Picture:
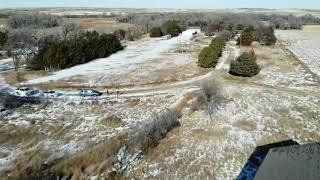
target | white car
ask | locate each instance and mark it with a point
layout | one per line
(22, 92)
(35, 93)
(90, 93)
(52, 94)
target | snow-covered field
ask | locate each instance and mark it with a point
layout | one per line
(304, 44)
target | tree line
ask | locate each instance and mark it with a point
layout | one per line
(211, 22)
(55, 53)
(209, 56)
(34, 20)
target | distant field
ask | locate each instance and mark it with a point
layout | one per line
(305, 44)
(102, 25)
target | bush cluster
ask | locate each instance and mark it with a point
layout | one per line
(247, 37)
(263, 34)
(54, 53)
(3, 38)
(245, 65)
(169, 27)
(267, 36)
(172, 28)
(209, 56)
(156, 32)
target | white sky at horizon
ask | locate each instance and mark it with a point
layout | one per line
(182, 4)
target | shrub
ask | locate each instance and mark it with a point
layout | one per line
(210, 29)
(239, 27)
(246, 38)
(121, 34)
(218, 43)
(225, 34)
(172, 28)
(268, 37)
(209, 56)
(148, 134)
(245, 65)
(3, 38)
(134, 32)
(156, 32)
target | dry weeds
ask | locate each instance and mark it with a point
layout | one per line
(93, 161)
(14, 78)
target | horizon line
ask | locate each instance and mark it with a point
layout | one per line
(96, 7)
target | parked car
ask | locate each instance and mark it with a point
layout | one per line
(52, 94)
(35, 93)
(22, 91)
(89, 93)
(166, 37)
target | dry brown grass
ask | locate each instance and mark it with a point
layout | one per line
(28, 164)
(14, 78)
(92, 161)
(132, 102)
(184, 102)
(263, 56)
(210, 134)
(112, 122)
(102, 25)
(245, 125)
(26, 136)
(311, 28)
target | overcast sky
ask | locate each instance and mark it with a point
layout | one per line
(193, 4)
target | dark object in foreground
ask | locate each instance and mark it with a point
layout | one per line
(9, 101)
(292, 162)
(285, 160)
(251, 167)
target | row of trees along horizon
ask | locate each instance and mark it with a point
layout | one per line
(45, 41)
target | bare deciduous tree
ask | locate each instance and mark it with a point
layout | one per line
(70, 31)
(21, 45)
(134, 32)
(211, 97)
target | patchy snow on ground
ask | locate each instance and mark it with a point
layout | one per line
(64, 127)
(230, 53)
(280, 69)
(280, 103)
(305, 44)
(6, 65)
(247, 118)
